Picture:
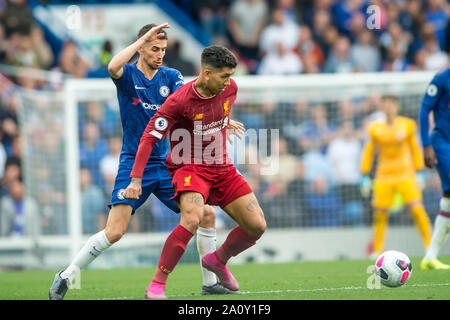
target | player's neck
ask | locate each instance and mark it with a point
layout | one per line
(202, 89)
(390, 120)
(148, 72)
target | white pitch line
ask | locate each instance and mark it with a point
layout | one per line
(286, 291)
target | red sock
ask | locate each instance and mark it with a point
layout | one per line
(172, 251)
(237, 241)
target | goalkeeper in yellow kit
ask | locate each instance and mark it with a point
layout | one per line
(400, 159)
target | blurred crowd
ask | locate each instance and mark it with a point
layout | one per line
(318, 150)
(317, 184)
(311, 36)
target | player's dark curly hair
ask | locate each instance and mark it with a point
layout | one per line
(147, 28)
(218, 57)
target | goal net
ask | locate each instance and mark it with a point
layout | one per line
(300, 154)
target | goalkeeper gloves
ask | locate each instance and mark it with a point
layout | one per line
(365, 186)
(420, 177)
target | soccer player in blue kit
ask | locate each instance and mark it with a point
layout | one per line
(142, 88)
(436, 149)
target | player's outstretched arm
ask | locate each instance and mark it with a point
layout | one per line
(115, 66)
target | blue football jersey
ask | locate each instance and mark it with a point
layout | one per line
(436, 99)
(139, 99)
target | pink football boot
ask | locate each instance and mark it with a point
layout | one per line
(155, 291)
(211, 263)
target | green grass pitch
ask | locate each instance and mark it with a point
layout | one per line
(330, 280)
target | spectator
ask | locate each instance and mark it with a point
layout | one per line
(9, 121)
(396, 60)
(321, 22)
(287, 163)
(92, 149)
(296, 192)
(3, 157)
(277, 45)
(174, 59)
(343, 155)
(71, 62)
(343, 13)
(317, 14)
(310, 52)
(12, 172)
(19, 214)
(109, 164)
(365, 54)
(212, 16)
(43, 55)
(435, 58)
(106, 53)
(411, 17)
(17, 17)
(323, 204)
(101, 114)
(317, 131)
(437, 15)
(245, 29)
(340, 60)
(394, 34)
(293, 125)
(93, 204)
(289, 9)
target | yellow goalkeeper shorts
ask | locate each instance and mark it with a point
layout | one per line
(384, 192)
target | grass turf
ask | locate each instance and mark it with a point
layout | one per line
(329, 280)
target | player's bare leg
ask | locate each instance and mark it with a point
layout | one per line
(422, 221)
(440, 233)
(251, 225)
(116, 225)
(192, 207)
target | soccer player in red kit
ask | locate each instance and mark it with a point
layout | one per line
(196, 116)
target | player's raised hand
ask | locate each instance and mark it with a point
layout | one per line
(429, 156)
(237, 128)
(154, 33)
(134, 189)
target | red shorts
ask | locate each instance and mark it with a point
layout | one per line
(219, 186)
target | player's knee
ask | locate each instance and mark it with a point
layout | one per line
(114, 234)
(258, 226)
(209, 217)
(191, 217)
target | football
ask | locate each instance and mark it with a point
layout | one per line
(393, 268)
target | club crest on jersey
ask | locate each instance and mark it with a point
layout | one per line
(120, 194)
(432, 90)
(164, 91)
(187, 181)
(226, 111)
(161, 123)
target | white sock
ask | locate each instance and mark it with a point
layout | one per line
(91, 250)
(441, 228)
(206, 243)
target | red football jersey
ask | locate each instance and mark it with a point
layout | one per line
(197, 128)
